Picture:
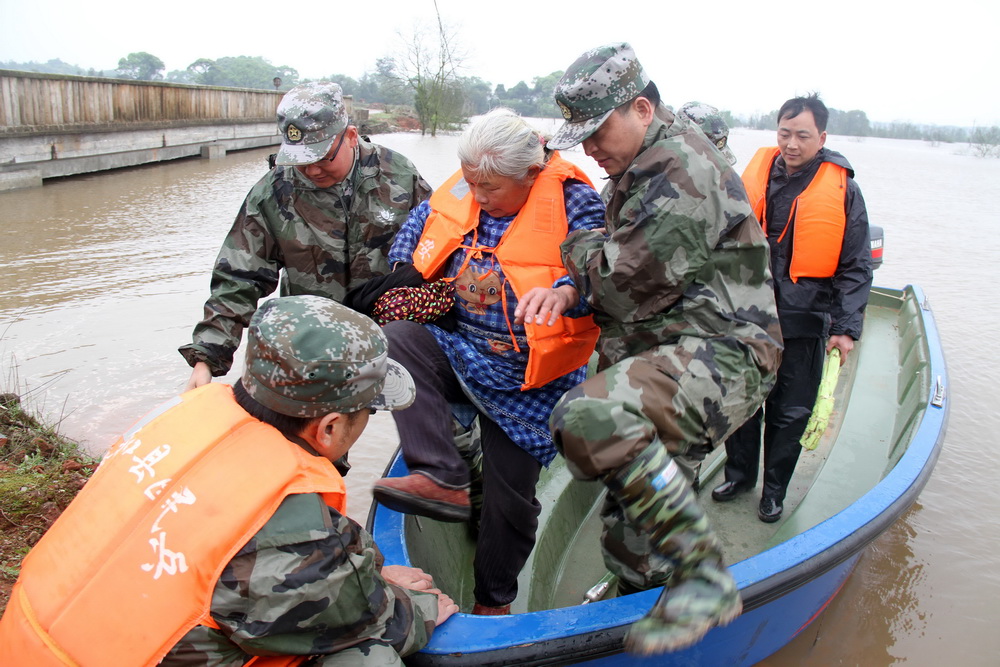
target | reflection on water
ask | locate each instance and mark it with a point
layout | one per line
(78, 238)
(879, 597)
(103, 276)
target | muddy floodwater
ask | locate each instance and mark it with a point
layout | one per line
(103, 276)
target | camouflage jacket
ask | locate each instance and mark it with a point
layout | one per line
(307, 583)
(327, 240)
(685, 256)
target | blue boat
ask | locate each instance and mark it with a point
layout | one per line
(884, 437)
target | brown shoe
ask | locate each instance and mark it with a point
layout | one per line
(483, 610)
(419, 494)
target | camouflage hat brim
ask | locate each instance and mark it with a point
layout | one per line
(308, 356)
(571, 134)
(290, 155)
(728, 154)
(398, 392)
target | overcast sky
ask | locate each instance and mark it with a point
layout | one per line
(897, 61)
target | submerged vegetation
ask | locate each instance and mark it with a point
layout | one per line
(40, 473)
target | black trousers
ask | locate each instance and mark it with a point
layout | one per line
(784, 418)
(510, 510)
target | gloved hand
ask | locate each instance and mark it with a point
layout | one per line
(363, 297)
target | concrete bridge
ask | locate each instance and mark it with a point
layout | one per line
(55, 125)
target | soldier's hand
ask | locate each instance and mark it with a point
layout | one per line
(446, 607)
(412, 578)
(201, 374)
(539, 302)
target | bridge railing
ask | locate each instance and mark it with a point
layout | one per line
(32, 103)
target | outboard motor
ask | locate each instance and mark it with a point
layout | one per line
(877, 238)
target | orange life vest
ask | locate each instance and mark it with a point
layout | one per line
(529, 256)
(130, 566)
(819, 214)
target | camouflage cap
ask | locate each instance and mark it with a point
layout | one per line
(310, 117)
(711, 123)
(308, 356)
(597, 83)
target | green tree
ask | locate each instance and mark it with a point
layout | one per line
(899, 130)
(729, 119)
(348, 84)
(476, 94)
(850, 123)
(204, 71)
(429, 67)
(179, 76)
(384, 85)
(140, 66)
(857, 123)
(544, 90)
(53, 66)
(520, 98)
(520, 92)
(242, 72)
(253, 72)
(391, 86)
(767, 121)
(289, 77)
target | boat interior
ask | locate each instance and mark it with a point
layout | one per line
(880, 397)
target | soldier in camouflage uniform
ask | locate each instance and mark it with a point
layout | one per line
(681, 289)
(712, 124)
(353, 610)
(326, 214)
(310, 581)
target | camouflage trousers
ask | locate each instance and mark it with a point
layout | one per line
(686, 398)
(366, 654)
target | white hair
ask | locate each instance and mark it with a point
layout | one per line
(501, 144)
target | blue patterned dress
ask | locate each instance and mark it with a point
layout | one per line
(481, 350)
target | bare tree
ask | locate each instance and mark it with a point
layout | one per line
(429, 66)
(985, 141)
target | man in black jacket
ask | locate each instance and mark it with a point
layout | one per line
(817, 228)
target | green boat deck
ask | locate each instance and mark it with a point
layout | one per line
(878, 402)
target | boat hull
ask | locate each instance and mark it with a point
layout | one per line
(784, 585)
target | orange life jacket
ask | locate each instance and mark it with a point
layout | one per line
(528, 253)
(819, 214)
(130, 566)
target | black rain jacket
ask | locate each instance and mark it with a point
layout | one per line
(819, 307)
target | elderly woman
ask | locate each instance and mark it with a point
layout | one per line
(493, 230)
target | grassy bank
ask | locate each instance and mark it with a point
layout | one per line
(40, 473)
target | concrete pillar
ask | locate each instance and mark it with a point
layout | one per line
(212, 151)
(24, 178)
